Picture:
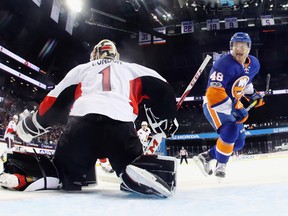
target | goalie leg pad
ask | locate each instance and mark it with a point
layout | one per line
(31, 166)
(163, 166)
(143, 182)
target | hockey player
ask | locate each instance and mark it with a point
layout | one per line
(10, 132)
(144, 134)
(230, 79)
(183, 155)
(9, 136)
(102, 98)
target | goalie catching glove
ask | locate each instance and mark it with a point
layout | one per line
(162, 129)
(167, 127)
(28, 127)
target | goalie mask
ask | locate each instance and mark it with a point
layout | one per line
(105, 49)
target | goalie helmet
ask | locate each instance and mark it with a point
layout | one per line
(240, 37)
(105, 49)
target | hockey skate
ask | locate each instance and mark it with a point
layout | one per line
(105, 165)
(203, 161)
(107, 169)
(220, 170)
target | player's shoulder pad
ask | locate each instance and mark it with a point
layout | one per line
(144, 71)
(224, 64)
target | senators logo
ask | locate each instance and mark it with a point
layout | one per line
(239, 86)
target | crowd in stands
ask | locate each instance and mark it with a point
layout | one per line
(11, 105)
(190, 117)
(192, 120)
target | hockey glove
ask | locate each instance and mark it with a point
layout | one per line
(256, 96)
(28, 127)
(166, 126)
(172, 128)
(239, 112)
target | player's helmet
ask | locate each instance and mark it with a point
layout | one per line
(240, 37)
(105, 49)
(15, 118)
(144, 123)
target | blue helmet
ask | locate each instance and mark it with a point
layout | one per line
(241, 37)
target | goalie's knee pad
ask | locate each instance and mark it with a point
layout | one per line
(38, 170)
(163, 166)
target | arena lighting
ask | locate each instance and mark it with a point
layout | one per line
(22, 76)
(21, 60)
(108, 15)
(74, 5)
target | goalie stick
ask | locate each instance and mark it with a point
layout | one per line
(157, 138)
(265, 93)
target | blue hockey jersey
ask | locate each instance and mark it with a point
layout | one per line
(229, 81)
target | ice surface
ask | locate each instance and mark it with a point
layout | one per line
(254, 185)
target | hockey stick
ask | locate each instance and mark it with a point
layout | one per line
(265, 93)
(157, 138)
(193, 81)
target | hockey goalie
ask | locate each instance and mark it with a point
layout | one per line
(99, 102)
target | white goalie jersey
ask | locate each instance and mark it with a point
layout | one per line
(109, 87)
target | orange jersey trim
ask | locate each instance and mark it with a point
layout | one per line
(215, 95)
(214, 117)
(224, 148)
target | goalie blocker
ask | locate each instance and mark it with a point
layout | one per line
(28, 172)
(29, 128)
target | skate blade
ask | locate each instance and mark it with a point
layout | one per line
(200, 166)
(219, 179)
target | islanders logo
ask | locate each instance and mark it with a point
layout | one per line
(239, 86)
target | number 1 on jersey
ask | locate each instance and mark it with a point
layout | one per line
(106, 79)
